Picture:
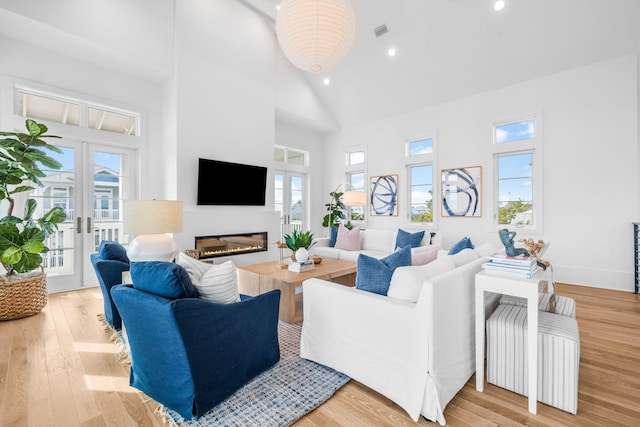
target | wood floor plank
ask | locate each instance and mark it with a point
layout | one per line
(60, 368)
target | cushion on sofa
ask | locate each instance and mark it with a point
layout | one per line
(404, 238)
(333, 235)
(406, 282)
(162, 278)
(463, 257)
(461, 244)
(378, 240)
(113, 251)
(374, 275)
(214, 282)
(348, 239)
(425, 256)
(486, 249)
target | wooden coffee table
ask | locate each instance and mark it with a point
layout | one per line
(255, 279)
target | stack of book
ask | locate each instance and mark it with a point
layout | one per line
(299, 267)
(521, 266)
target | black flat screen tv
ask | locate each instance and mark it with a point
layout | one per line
(233, 184)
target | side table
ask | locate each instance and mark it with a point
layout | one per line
(525, 288)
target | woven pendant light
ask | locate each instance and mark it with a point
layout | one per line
(315, 34)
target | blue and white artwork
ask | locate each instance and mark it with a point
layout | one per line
(461, 192)
(384, 195)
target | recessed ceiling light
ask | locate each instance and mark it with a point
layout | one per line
(498, 5)
(326, 81)
(392, 51)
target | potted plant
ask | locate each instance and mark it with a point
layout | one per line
(335, 210)
(22, 239)
(299, 242)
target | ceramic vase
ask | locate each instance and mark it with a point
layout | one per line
(302, 255)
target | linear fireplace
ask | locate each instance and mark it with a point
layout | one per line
(231, 244)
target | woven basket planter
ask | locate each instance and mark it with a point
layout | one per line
(22, 295)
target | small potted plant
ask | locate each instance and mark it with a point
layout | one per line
(23, 289)
(299, 242)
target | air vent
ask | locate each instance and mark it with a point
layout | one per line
(381, 30)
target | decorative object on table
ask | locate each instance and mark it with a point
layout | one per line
(24, 290)
(283, 258)
(506, 237)
(525, 267)
(315, 34)
(534, 248)
(384, 195)
(300, 266)
(316, 259)
(277, 397)
(461, 192)
(297, 240)
(150, 220)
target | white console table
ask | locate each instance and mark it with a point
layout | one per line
(526, 288)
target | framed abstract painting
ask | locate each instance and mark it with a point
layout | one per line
(462, 192)
(384, 195)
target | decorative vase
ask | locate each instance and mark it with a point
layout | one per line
(302, 255)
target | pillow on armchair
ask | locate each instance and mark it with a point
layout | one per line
(113, 251)
(374, 275)
(214, 282)
(162, 278)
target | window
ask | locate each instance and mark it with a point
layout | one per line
(356, 157)
(55, 108)
(517, 166)
(421, 193)
(356, 183)
(290, 156)
(419, 147)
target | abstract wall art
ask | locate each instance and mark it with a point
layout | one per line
(462, 192)
(384, 195)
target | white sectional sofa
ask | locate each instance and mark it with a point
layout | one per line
(375, 243)
(418, 354)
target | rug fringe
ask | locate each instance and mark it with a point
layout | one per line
(122, 355)
(165, 418)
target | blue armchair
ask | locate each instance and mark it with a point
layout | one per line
(109, 263)
(190, 354)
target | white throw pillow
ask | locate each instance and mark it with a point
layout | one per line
(406, 282)
(463, 257)
(214, 282)
(379, 240)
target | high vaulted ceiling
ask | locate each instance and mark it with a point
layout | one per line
(446, 49)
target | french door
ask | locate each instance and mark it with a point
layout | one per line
(290, 200)
(91, 186)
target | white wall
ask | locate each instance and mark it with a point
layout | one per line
(590, 185)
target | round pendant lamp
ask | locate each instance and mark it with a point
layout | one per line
(315, 35)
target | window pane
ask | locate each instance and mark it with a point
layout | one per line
(296, 200)
(112, 122)
(421, 189)
(356, 157)
(295, 157)
(356, 183)
(423, 146)
(516, 131)
(278, 154)
(45, 108)
(515, 189)
(279, 192)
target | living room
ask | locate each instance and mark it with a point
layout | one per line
(212, 83)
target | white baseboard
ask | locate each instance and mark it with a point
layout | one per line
(596, 278)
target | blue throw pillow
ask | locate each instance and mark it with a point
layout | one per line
(374, 275)
(333, 236)
(461, 244)
(162, 278)
(404, 238)
(113, 251)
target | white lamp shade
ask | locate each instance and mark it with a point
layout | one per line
(315, 34)
(152, 216)
(354, 198)
(150, 220)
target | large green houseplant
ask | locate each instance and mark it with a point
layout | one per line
(335, 210)
(21, 156)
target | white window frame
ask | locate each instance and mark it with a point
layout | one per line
(423, 160)
(534, 146)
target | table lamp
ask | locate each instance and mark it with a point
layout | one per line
(150, 220)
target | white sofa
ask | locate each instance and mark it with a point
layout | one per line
(418, 354)
(375, 243)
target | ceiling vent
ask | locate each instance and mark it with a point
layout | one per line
(381, 30)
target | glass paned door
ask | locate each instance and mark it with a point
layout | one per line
(290, 201)
(90, 187)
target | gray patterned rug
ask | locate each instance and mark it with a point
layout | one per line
(277, 397)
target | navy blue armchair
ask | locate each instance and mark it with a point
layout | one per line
(190, 354)
(109, 263)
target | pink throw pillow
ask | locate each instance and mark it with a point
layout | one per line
(424, 257)
(348, 240)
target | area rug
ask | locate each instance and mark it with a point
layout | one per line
(278, 397)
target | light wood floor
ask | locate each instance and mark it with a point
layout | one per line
(59, 368)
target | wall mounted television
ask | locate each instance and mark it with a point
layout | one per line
(233, 184)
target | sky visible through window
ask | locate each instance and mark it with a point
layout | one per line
(423, 146)
(108, 160)
(515, 131)
(515, 175)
